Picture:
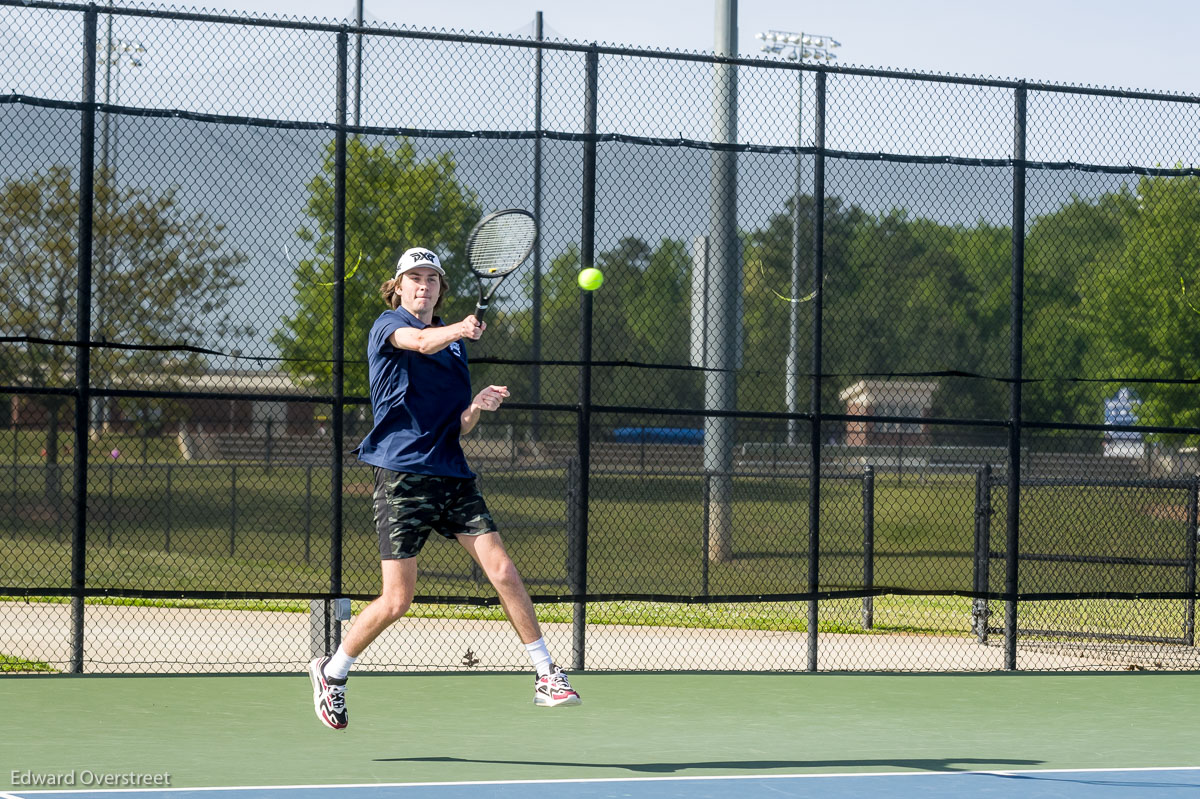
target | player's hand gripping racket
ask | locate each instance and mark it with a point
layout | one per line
(499, 243)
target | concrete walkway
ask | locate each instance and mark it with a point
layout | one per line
(123, 639)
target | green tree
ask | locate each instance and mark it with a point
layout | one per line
(1144, 305)
(394, 200)
(560, 326)
(1066, 252)
(901, 294)
(661, 328)
(640, 315)
(982, 307)
(767, 258)
(907, 302)
(160, 276)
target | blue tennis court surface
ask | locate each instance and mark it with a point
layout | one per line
(1067, 784)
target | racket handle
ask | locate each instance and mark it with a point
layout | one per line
(480, 310)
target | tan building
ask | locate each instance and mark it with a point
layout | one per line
(888, 398)
(212, 414)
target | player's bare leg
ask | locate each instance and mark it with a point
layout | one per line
(399, 584)
(551, 686)
(329, 684)
(488, 551)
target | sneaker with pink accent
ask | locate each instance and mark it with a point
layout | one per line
(329, 696)
(553, 690)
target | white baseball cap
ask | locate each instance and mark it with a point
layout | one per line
(419, 256)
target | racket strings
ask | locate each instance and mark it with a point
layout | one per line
(502, 244)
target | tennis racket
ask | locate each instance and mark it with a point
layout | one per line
(498, 244)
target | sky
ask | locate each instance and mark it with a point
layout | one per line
(1146, 45)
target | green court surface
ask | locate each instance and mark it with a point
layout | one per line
(260, 730)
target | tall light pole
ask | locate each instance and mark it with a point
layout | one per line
(358, 21)
(723, 286)
(797, 47)
(113, 53)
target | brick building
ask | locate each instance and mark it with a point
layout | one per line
(888, 398)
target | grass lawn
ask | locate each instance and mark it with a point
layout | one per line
(12, 664)
(172, 526)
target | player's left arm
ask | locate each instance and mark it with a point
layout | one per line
(489, 399)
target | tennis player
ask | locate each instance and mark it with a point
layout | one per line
(421, 399)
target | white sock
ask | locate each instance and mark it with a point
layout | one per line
(339, 665)
(540, 656)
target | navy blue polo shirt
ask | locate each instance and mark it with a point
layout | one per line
(418, 401)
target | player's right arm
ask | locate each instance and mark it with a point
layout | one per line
(429, 340)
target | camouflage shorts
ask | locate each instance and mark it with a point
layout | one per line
(409, 507)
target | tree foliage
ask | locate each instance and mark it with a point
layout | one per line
(1141, 313)
(394, 200)
(1103, 299)
(160, 276)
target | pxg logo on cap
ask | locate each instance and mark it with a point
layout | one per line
(416, 257)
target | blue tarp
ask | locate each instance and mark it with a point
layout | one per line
(659, 435)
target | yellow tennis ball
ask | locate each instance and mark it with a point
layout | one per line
(590, 279)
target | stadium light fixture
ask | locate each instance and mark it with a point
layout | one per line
(799, 45)
(114, 54)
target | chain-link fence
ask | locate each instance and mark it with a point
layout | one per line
(888, 371)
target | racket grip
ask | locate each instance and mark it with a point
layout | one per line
(480, 310)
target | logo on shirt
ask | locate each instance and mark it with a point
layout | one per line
(456, 349)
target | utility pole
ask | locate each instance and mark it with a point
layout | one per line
(724, 287)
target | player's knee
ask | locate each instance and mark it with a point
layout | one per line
(395, 610)
(503, 573)
(394, 606)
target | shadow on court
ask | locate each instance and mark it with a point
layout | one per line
(1128, 783)
(916, 764)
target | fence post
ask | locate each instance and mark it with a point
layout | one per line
(706, 534)
(583, 431)
(170, 513)
(535, 373)
(868, 489)
(307, 513)
(108, 509)
(1016, 350)
(983, 545)
(339, 320)
(814, 483)
(576, 559)
(1189, 630)
(83, 333)
(270, 442)
(232, 509)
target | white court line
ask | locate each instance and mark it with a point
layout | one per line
(572, 781)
